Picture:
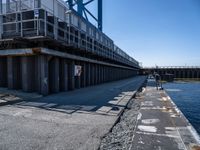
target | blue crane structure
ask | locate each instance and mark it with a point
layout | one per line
(84, 12)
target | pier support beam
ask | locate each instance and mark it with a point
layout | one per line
(96, 74)
(78, 80)
(14, 72)
(88, 74)
(83, 75)
(63, 75)
(71, 75)
(3, 72)
(43, 74)
(54, 75)
(28, 72)
(92, 74)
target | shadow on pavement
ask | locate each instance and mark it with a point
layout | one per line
(91, 99)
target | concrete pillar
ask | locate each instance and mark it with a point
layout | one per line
(107, 74)
(101, 74)
(71, 81)
(103, 69)
(110, 74)
(28, 73)
(63, 75)
(43, 74)
(92, 74)
(3, 72)
(14, 72)
(88, 74)
(95, 74)
(54, 81)
(83, 75)
(78, 80)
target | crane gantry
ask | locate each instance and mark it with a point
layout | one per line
(83, 11)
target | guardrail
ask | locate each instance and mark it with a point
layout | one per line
(68, 28)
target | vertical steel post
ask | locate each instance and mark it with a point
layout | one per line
(70, 2)
(7, 6)
(100, 15)
(80, 7)
(1, 7)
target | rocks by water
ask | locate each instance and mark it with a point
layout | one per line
(122, 133)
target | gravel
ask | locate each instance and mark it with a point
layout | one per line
(121, 134)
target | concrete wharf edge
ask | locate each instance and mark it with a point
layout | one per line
(161, 124)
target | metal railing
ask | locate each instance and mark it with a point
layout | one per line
(39, 22)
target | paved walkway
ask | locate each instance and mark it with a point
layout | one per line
(161, 126)
(66, 121)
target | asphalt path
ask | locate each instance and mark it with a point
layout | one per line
(69, 121)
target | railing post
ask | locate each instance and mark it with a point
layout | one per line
(21, 24)
(45, 22)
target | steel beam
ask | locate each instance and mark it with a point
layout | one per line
(100, 15)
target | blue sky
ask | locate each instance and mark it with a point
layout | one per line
(155, 32)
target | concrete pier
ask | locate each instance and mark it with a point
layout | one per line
(161, 125)
(151, 122)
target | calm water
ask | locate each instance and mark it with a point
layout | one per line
(186, 95)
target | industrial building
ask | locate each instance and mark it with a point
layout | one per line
(47, 47)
